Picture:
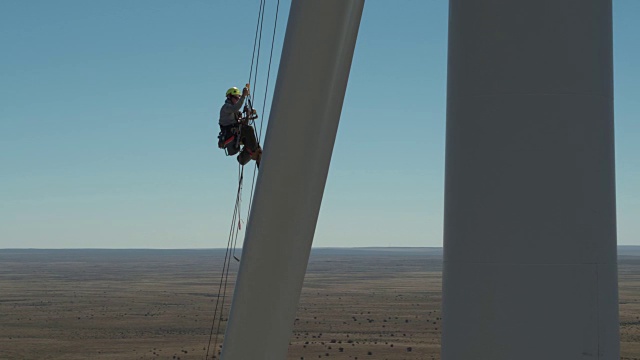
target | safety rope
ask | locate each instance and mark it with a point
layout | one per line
(264, 103)
(235, 229)
(266, 87)
(225, 270)
(257, 39)
(233, 233)
(260, 12)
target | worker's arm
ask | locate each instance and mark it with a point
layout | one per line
(232, 109)
(235, 108)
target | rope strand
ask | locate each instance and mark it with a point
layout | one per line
(260, 11)
(235, 228)
(226, 265)
(264, 102)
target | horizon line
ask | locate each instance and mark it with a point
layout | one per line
(239, 248)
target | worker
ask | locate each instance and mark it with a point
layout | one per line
(235, 129)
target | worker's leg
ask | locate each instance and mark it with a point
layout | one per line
(249, 138)
(244, 157)
(251, 150)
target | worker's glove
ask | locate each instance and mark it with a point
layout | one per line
(245, 92)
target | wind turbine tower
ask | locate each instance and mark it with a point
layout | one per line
(530, 268)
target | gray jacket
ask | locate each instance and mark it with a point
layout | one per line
(228, 112)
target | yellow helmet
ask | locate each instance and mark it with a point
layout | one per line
(233, 91)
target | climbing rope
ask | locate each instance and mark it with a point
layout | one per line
(266, 87)
(264, 102)
(224, 277)
(255, 39)
(236, 219)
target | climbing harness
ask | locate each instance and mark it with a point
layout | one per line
(229, 139)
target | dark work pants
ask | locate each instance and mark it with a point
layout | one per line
(248, 138)
(251, 149)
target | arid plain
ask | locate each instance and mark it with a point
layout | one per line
(158, 304)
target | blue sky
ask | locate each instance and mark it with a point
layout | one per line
(108, 123)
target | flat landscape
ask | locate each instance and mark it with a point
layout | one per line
(159, 304)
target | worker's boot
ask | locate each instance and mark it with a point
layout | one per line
(244, 157)
(257, 155)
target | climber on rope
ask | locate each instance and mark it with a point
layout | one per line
(235, 129)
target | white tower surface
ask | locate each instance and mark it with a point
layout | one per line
(312, 80)
(530, 229)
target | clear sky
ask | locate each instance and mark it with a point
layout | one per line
(108, 123)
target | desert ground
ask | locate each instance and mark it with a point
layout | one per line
(159, 304)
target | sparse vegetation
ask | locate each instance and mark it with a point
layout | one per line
(158, 305)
